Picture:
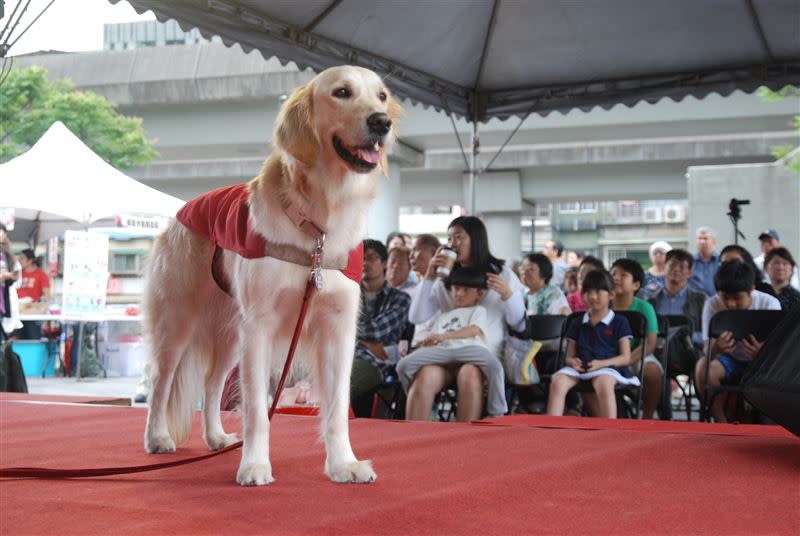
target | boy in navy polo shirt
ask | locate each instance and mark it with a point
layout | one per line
(598, 350)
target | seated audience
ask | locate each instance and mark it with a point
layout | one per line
(398, 239)
(575, 257)
(706, 262)
(655, 275)
(598, 350)
(542, 297)
(733, 252)
(770, 240)
(571, 281)
(729, 357)
(677, 297)
(628, 276)
(383, 317)
(504, 307)
(33, 288)
(398, 268)
(459, 337)
(425, 246)
(779, 265)
(575, 300)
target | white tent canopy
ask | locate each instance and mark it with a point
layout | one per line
(61, 176)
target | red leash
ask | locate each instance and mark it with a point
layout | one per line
(314, 281)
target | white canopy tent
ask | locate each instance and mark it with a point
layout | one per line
(60, 180)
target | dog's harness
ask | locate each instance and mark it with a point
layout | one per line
(228, 226)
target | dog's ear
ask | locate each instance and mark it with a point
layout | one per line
(294, 132)
(395, 112)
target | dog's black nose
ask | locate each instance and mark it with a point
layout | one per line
(379, 123)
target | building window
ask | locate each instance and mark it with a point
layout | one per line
(569, 207)
(629, 209)
(125, 263)
(543, 210)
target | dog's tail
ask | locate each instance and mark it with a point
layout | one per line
(184, 394)
(172, 298)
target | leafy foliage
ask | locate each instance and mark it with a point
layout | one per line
(30, 104)
(780, 151)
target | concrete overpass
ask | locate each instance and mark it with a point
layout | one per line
(212, 109)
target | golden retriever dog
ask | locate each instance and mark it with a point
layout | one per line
(330, 143)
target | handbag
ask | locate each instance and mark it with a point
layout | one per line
(519, 360)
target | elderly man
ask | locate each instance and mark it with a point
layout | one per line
(398, 268)
(424, 249)
(554, 250)
(706, 262)
(677, 297)
(770, 240)
(425, 246)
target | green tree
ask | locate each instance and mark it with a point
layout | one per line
(780, 151)
(30, 104)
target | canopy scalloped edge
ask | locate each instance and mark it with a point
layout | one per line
(427, 90)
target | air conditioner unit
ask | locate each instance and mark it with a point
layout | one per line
(652, 214)
(674, 213)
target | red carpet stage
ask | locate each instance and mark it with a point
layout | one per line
(519, 474)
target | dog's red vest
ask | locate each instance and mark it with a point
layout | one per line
(223, 217)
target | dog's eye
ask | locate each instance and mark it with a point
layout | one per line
(342, 93)
(382, 96)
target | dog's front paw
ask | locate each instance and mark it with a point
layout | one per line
(254, 475)
(220, 441)
(159, 444)
(358, 472)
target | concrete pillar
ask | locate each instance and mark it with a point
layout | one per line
(384, 214)
(499, 204)
(504, 229)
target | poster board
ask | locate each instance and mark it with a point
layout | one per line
(85, 272)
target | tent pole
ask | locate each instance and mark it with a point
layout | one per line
(473, 174)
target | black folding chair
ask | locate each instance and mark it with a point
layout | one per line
(665, 407)
(679, 332)
(741, 324)
(537, 328)
(629, 397)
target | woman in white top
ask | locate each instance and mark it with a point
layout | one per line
(504, 305)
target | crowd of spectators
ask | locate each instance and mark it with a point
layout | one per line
(463, 330)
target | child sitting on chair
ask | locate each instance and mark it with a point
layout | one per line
(735, 286)
(598, 349)
(459, 337)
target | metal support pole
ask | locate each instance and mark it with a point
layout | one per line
(473, 168)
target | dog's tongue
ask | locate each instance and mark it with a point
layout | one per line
(368, 155)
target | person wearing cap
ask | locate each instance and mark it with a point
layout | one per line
(655, 276)
(770, 239)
